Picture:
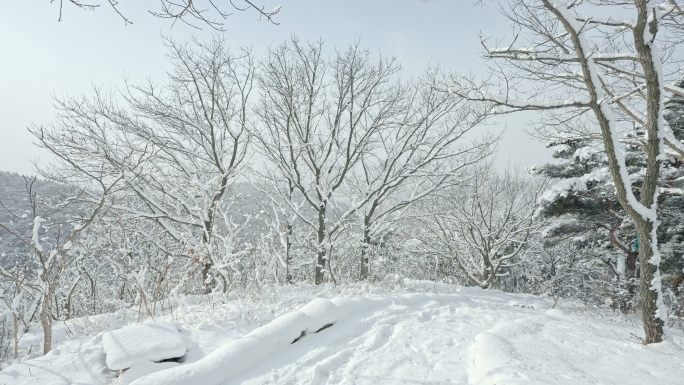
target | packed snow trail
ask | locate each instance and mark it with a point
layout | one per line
(393, 345)
(476, 338)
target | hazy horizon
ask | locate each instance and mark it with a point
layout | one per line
(89, 49)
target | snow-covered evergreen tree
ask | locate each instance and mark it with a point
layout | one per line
(582, 207)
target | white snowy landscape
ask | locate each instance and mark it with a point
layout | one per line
(395, 332)
(214, 192)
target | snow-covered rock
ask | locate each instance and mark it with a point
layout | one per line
(155, 341)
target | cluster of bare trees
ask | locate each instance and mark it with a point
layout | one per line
(347, 157)
(329, 139)
(239, 171)
(41, 278)
(348, 138)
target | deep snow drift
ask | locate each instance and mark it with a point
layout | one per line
(380, 334)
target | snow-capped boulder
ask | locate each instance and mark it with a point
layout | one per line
(156, 341)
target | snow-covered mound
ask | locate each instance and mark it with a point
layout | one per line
(143, 368)
(381, 335)
(244, 354)
(155, 341)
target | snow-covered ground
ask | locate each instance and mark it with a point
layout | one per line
(381, 334)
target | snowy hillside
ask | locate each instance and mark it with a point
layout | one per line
(391, 333)
(15, 206)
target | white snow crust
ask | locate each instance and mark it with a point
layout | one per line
(394, 332)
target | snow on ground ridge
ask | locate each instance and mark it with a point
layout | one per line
(221, 365)
(385, 336)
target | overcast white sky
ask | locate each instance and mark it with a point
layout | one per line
(40, 57)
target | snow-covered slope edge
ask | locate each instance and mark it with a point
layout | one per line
(468, 336)
(242, 355)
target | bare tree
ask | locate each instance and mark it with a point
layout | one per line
(91, 6)
(423, 151)
(178, 147)
(610, 70)
(211, 12)
(319, 117)
(195, 13)
(281, 215)
(484, 225)
(198, 125)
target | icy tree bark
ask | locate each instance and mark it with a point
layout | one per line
(46, 323)
(649, 258)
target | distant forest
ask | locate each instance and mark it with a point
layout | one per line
(16, 210)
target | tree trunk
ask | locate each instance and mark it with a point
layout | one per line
(122, 291)
(365, 250)
(207, 262)
(648, 296)
(320, 260)
(485, 279)
(206, 280)
(288, 255)
(649, 300)
(46, 323)
(15, 323)
(67, 307)
(93, 290)
(627, 301)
